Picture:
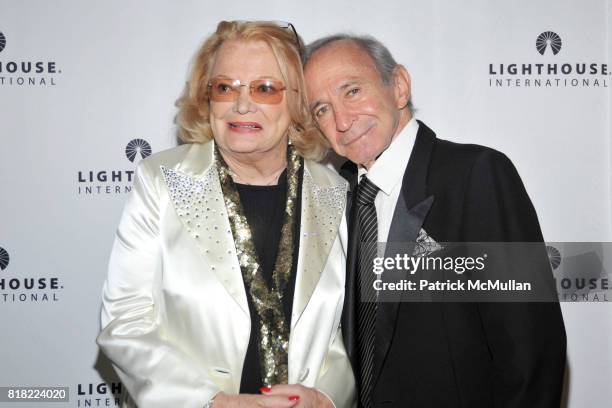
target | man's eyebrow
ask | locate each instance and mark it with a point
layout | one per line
(315, 105)
(343, 86)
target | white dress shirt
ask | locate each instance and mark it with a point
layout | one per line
(387, 173)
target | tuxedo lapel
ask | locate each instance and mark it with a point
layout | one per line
(349, 318)
(414, 183)
(323, 203)
(409, 215)
(410, 212)
(349, 172)
(406, 225)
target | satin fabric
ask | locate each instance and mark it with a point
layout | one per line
(175, 317)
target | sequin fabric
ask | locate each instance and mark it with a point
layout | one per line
(327, 203)
(192, 200)
(274, 329)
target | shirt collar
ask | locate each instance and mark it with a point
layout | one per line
(389, 168)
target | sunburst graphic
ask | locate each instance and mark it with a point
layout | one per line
(4, 259)
(554, 256)
(2, 41)
(548, 38)
(137, 146)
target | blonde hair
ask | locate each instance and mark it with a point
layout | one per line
(193, 114)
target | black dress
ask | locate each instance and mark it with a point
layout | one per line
(264, 209)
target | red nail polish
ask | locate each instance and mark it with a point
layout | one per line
(294, 398)
(263, 390)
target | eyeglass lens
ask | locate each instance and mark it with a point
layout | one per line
(264, 91)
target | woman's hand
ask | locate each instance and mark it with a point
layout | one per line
(223, 400)
(307, 397)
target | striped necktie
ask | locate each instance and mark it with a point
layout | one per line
(366, 306)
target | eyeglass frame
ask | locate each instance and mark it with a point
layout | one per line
(240, 84)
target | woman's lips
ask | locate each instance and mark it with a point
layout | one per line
(244, 127)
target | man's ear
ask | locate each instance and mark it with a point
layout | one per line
(401, 86)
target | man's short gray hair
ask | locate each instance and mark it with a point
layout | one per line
(381, 56)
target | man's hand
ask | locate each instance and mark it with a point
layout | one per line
(307, 397)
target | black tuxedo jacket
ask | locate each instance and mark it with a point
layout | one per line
(469, 355)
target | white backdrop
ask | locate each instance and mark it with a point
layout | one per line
(117, 67)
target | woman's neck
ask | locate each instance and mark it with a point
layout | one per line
(259, 170)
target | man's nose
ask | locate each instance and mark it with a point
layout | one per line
(344, 119)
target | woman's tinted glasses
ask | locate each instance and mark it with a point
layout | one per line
(266, 91)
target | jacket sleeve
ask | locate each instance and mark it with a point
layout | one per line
(155, 372)
(336, 378)
(527, 341)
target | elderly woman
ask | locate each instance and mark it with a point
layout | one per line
(226, 281)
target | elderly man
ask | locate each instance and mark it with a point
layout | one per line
(414, 187)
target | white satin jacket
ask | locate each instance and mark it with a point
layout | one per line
(175, 317)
